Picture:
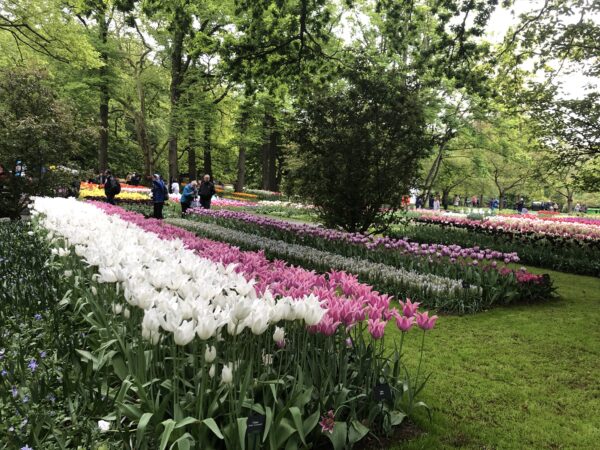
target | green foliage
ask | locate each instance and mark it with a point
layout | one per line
(361, 142)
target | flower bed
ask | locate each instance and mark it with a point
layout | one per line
(566, 255)
(473, 266)
(433, 291)
(223, 344)
(91, 191)
(508, 225)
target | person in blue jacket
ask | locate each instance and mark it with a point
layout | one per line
(187, 196)
(159, 195)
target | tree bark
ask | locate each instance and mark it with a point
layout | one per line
(104, 93)
(177, 71)
(207, 150)
(269, 154)
(241, 162)
(192, 168)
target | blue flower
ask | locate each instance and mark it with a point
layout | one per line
(26, 399)
(38, 316)
(15, 391)
(4, 372)
(32, 364)
(42, 354)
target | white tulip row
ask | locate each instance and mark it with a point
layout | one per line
(180, 292)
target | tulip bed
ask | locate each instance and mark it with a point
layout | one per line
(484, 269)
(128, 195)
(192, 343)
(577, 250)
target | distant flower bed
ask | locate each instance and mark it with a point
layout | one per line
(472, 266)
(128, 193)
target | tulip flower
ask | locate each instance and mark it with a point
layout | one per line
(184, 333)
(210, 354)
(409, 309)
(227, 375)
(425, 322)
(376, 328)
(279, 336)
(211, 371)
(404, 323)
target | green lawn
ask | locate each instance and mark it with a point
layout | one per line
(525, 377)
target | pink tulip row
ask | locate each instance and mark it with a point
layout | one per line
(577, 231)
(580, 220)
(347, 300)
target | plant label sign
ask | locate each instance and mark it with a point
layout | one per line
(255, 424)
(382, 392)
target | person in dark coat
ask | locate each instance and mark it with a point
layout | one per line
(520, 205)
(159, 195)
(206, 191)
(111, 187)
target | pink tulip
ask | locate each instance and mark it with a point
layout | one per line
(425, 322)
(409, 308)
(404, 323)
(376, 328)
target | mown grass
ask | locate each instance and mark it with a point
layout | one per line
(521, 377)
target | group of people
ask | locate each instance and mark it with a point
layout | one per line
(204, 189)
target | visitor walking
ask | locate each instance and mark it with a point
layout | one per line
(436, 203)
(474, 201)
(206, 191)
(159, 194)
(457, 200)
(187, 197)
(112, 187)
(494, 204)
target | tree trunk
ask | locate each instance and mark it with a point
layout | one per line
(265, 150)
(192, 169)
(175, 91)
(207, 150)
(104, 93)
(241, 162)
(273, 153)
(141, 132)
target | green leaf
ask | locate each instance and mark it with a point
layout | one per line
(297, 418)
(396, 417)
(339, 435)
(210, 423)
(356, 432)
(169, 425)
(268, 422)
(310, 423)
(141, 428)
(184, 422)
(184, 442)
(242, 425)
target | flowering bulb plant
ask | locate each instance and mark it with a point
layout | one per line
(215, 334)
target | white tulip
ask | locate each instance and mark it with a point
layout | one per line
(126, 313)
(117, 308)
(103, 425)
(211, 371)
(279, 334)
(226, 375)
(241, 310)
(206, 328)
(259, 324)
(184, 333)
(210, 354)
